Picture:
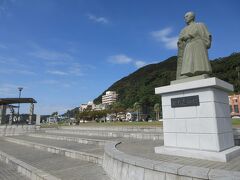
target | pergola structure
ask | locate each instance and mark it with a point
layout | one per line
(7, 103)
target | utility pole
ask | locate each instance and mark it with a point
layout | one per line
(20, 90)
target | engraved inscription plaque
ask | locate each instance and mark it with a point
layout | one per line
(185, 101)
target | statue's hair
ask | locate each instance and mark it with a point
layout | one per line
(192, 13)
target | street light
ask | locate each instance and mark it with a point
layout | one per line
(20, 90)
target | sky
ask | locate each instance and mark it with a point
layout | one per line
(67, 52)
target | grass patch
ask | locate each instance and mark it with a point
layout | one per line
(107, 124)
(154, 123)
(236, 122)
(53, 125)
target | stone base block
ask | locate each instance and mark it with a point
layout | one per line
(223, 156)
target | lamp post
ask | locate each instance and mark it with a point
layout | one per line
(20, 90)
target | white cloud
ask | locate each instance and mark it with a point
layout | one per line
(58, 83)
(58, 62)
(51, 55)
(16, 71)
(9, 90)
(11, 65)
(5, 7)
(94, 18)
(124, 59)
(57, 72)
(120, 59)
(49, 81)
(139, 64)
(72, 69)
(76, 69)
(3, 46)
(50, 108)
(163, 36)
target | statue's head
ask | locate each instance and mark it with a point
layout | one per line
(189, 17)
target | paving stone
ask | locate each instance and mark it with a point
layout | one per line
(197, 172)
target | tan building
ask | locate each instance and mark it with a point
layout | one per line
(90, 106)
(234, 102)
(109, 98)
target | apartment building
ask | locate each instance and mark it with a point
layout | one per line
(234, 102)
(109, 98)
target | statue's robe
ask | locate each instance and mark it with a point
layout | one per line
(195, 56)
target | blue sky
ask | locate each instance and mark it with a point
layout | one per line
(67, 52)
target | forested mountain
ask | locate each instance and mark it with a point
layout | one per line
(139, 86)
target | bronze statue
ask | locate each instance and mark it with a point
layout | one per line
(193, 42)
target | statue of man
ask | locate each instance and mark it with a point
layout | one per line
(193, 42)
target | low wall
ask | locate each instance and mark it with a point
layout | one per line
(121, 166)
(14, 130)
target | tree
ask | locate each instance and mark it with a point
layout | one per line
(137, 108)
(68, 113)
(54, 113)
(157, 110)
(117, 108)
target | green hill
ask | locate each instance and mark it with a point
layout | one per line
(139, 86)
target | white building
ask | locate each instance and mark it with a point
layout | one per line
(109, 98)
(90, 106)
(99, 107)
(82, 107)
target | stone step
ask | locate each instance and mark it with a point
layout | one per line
(81, 140)
(57, 165)
(13, 130)
(115, 134)
(74, 150)
(7, 172)
(25, 169)
(103, 138)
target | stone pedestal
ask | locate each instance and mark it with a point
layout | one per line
(196, 120)
(38, 119)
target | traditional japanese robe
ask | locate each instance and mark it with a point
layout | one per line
(196, 41)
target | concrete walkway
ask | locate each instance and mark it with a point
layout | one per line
(64, 167)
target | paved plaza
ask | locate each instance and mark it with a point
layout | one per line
(35, 149)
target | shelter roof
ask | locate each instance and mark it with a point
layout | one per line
(6, 101)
